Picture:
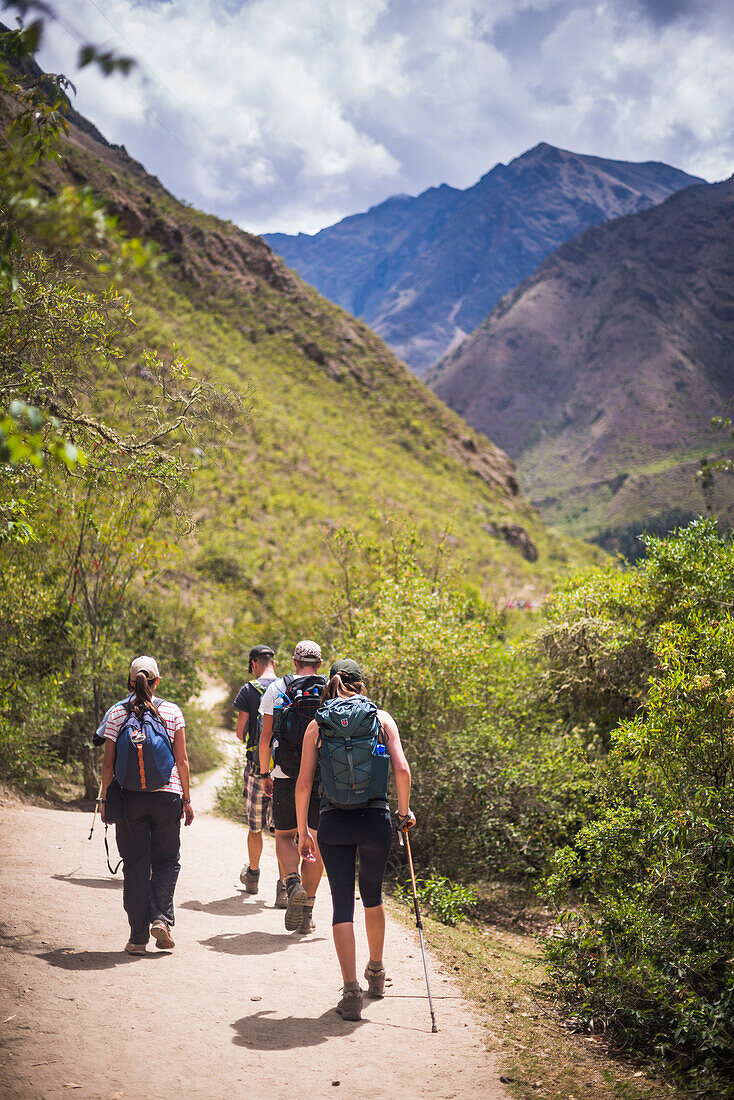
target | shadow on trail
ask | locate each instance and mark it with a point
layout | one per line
(93, 960)
(261, 1033)
(95, 883)
(225, 907)
(250, 943)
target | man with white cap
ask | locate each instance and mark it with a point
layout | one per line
(155, 796)
(287, 707)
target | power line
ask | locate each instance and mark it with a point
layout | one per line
(146, 108)
(144, 65)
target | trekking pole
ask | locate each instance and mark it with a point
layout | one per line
(97, 803)
(419, 924)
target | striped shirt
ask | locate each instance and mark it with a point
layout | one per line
(173, 720)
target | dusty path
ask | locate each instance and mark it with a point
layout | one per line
(240, 1006)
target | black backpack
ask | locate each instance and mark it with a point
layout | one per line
(301, 700)
(255, 722)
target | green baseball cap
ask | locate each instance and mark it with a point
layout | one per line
(348, 669)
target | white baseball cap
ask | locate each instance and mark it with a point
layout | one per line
(148, 665)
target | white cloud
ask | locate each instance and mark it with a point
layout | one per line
(287, 114)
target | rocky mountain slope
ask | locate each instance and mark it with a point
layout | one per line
(423, 272)
(600, 373)
(341, 432)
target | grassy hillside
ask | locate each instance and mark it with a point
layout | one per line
(340, 432)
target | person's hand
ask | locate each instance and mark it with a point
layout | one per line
(267, 785)
(307, 847)
(188, 813)
(406, 821)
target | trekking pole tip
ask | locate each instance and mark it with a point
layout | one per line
(434, 1029)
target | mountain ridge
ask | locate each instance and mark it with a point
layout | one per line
(424, 272)
(600, 373)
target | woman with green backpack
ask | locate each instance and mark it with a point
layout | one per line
(355, 743)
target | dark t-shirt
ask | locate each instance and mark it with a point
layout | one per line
(248, 699)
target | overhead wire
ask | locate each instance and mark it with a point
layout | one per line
(155, 76)
(125, 85)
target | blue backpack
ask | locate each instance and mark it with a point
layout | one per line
(355, 766)
(144, 756)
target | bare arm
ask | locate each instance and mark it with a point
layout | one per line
(243, 724)
(108, 770)
(400, 766)
(304, 785)
(266, 736)
(182, 763)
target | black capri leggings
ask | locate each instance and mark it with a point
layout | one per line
(343, 833)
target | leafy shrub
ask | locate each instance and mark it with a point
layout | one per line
(446, 900)
(648, 950)
(201, 742)
(230, 801)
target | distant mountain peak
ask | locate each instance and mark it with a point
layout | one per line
(424, 271)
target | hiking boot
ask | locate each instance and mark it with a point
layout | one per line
(350, 1006)
(307, 925)
(281, 895)
(136, 948)
(250, 879)
(161, 933)
(297, 898)
(375, 975)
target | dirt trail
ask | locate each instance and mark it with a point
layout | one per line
(239, 1005)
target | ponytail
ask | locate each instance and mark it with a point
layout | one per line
(143, 694)
(338, 686)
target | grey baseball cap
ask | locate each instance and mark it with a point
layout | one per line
(306, 650)
(148, 665)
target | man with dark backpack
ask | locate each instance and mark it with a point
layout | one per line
(287, 708)
(249, 726)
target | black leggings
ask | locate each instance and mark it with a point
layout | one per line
(343, 833)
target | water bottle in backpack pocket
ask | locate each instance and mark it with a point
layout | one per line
(355, 766)
(144, 756)
(301, 700)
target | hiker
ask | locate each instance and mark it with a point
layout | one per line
(257, 803)
(287, 707)
(355, 744)
(146, 768)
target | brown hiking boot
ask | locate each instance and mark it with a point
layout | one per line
(297, 898)
(350, 1006)
(307, 924)
(250, 879)
(281, 895)
(375, 975)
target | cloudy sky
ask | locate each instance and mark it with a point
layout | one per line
(289, 114)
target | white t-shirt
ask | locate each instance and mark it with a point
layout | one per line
(267, 705)
(173, 720)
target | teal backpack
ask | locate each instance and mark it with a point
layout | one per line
(355, 766)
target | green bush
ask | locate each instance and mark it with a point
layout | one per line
(230, 800)
(446, 900)
(648, 948)
(201, 743)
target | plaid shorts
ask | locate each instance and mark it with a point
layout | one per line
(259, 811)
